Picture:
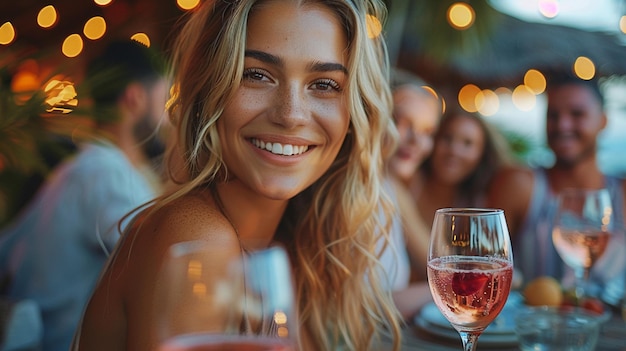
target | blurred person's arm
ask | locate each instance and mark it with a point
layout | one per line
(411, 299)
(416, 232)
(511, 190)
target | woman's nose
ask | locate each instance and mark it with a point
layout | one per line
(292, 107)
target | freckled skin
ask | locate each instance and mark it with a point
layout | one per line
(297, 98)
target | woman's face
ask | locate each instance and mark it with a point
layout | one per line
(416, 116)
(288, 119)
(459, 146)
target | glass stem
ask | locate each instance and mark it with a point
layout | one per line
(470, 340)
(582, 275)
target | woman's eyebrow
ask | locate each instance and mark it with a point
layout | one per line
(265, 57)
(328, 67)
(277, 61)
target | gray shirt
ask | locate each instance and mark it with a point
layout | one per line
(54, 251)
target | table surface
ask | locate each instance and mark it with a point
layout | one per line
(612, 338)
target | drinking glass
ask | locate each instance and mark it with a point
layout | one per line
(470, 268)
(582, 230)
(244, 304)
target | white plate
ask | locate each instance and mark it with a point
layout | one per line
(489, 340)
(503, 324)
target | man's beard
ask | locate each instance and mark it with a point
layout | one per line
(571, 162)
(149, 139)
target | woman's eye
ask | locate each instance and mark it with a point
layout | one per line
(326, 85)
(254, 74)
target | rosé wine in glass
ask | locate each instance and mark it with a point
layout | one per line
(470, 291)
(582, 230)
(580, 249)
(470, 268)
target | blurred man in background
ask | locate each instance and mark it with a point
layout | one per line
(54, 250)
(575, 118)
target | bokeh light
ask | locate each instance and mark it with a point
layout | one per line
(187, 5)
(47, 17)
(461, 15)
(503, 91)
(72, 45)
(102, 2)
(60, 96)
(549, 8)
(95, 28)
(487, 102)
(467, 97)
(535, 81)
(523, 98)
(374, 27)
(584, 68)
(7, 33)
(622, 24)
(24, 81)
(141, 38)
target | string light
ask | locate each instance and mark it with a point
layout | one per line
(7, 33)
(549, 8)
(72, 45)
(374, 27)
(95, 28)
(187, 5)
(461, 15)
(584, 68)
(141, 38)
(523, 98)
(467, 97)
(47, 17)
(535, 81)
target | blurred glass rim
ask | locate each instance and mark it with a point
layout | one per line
(534, 314)
(469, 211)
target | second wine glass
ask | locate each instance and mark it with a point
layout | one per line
(470, 268)
(209, 300)
(582, 230)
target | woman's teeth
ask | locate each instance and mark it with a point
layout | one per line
(280, 149)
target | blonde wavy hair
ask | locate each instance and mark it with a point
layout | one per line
(330, 229)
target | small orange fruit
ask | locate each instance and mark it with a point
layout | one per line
(543, 291)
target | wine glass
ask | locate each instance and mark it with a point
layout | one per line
(244, 303)
(470, 268)
(582, 230)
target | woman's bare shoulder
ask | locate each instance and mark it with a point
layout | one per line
(191, 217)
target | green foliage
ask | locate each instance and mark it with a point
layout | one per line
(440, 40)
(29, 144)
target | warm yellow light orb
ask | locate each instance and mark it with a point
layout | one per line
(535, 81)
(584, 68)
(467, 97)
(72, 45)
(187, 4)
(487, 102)
(523, 98)
(24, 81)
(461, 15)
(47, 17)
(102, 2)
(95, 28)
(7, 33)
(622, 24)
(374, 27)
(141, 38)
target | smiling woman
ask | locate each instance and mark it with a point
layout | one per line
(282, 113)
